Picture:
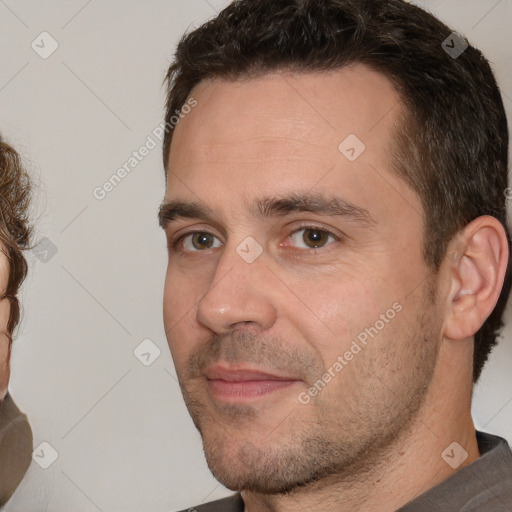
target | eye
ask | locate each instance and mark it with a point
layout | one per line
(199, 241)
(311, 237)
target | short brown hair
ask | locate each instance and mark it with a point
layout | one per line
(15, 230)
(452, 144)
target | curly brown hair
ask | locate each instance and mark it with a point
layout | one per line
(15, 228)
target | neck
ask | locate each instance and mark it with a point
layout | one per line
(408, 467)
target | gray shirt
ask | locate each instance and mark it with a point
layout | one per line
(15, 447)
(485, 485)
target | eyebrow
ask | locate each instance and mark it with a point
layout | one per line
(269, 207)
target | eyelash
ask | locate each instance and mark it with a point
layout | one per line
(176, 242)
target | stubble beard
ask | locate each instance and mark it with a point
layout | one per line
(343, 440)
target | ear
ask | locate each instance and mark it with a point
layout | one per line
(477, 260)
(5, 337)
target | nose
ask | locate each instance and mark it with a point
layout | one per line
(239, 294)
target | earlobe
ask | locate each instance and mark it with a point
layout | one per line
(477, 266)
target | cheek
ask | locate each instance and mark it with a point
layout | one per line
(340, 316)
(334, 308)
(5, 310)
(180, 291)
(4, 365)
(4, 347)
(181, 295)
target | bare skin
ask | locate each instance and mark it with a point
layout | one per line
(5, 339)
(372, 437)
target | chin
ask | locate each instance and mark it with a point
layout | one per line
(281, 468)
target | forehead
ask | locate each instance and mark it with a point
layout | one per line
(288, 130)
(320, 107)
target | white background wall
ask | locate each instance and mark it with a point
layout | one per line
(123, 435)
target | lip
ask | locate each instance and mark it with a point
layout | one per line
(241, 374)
(244, 384)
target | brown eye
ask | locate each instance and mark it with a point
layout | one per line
(200, 241)
(312, 238)
(315, 238)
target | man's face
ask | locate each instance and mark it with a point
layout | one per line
(297, 305)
